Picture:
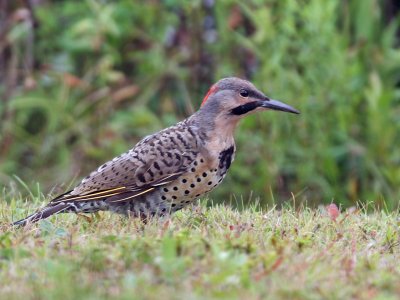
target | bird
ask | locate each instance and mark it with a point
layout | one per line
(172, 168)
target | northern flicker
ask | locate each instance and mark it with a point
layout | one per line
(170, 169)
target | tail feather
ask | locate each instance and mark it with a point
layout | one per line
(90, 202)
(43, 214)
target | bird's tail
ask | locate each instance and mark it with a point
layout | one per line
(87, 203)
(43, 214)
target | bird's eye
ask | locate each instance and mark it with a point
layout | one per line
(244, 93)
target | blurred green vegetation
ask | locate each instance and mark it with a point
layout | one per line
(83, 81)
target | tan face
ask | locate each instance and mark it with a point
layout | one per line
(237, 98)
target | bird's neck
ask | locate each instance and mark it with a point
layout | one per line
(223, 131)
(218, 130)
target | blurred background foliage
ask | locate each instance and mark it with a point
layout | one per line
(83, 81)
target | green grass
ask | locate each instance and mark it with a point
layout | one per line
(202, 253)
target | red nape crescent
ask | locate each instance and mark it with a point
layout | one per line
(211, 91)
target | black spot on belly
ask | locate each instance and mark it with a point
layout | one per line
(225, 159)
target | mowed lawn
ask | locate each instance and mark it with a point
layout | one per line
(202, 253)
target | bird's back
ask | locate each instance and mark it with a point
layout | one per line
(153, 159)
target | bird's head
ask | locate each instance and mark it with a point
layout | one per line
(234, 98)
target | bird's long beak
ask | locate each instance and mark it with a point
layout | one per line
(277, 105)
